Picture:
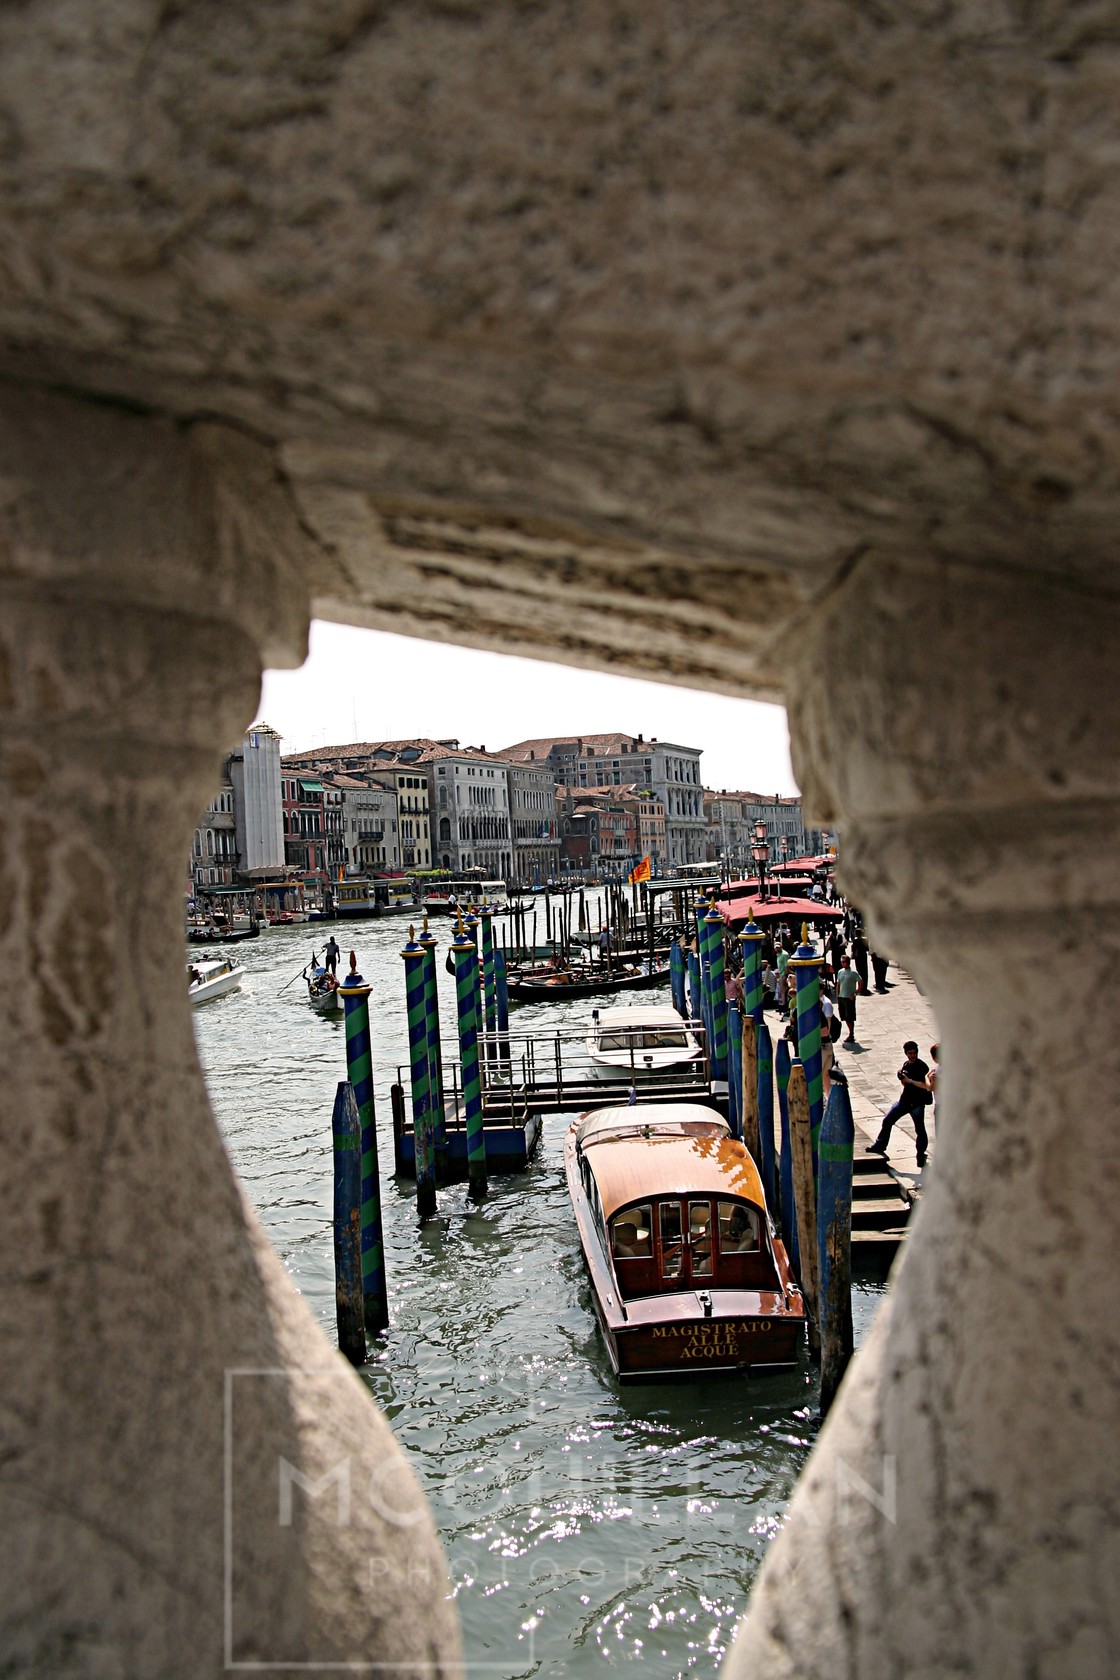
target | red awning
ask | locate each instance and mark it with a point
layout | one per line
(792, 910)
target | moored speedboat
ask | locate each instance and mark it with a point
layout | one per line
(212, 978)
(687, 1272)
(641, 1042)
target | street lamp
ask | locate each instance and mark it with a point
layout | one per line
(760, 851)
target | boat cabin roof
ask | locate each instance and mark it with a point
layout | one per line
(639, 1015)
(671, 1149)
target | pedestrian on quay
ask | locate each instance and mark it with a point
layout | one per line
(836, 950)
(934, 1078)
(847, 985)
(859, 959)
(331, 954)
(915, 1098)
(879, 966)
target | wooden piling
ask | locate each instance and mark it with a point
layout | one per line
(349, 1309)
(836, 1147)
(734, 1071)
(396, 1103)
(785, 1163)
(766, 1115)
(804, 1198)
(749, 1087)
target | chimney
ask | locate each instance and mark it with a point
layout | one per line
(641, 738)
(532, 755)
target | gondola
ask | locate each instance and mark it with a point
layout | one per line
(549, 986)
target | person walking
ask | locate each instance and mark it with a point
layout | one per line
(847, 985)
(916, 1096)
(879, 967)
(859, 958)
(331, 954)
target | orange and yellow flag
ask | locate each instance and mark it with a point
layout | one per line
(640, 871)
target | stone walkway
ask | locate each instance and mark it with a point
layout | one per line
(884, 1020)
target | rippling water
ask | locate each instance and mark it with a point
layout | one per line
(584, 1524)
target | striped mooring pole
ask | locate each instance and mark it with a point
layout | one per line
(717, 990)
(836, 1148)
(751, 940)
(465, 952)
(734, 1071)
(414, 961)
(359, 1065)
(436, 1099)
(346, 1131)
(805, 1200)
(766, 1116)
(806, 965)
(677, 969)
(785, 1161)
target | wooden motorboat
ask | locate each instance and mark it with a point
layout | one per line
(212, 978)
(687, 1272)
(641, 1041)
(322, 990)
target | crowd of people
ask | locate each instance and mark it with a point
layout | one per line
(850, 970)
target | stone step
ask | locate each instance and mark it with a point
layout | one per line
(881, 1213)
(874, 1184)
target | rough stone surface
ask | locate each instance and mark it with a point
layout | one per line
(157, 1371)
(958, 1515)
(651, 316)
(769, 347)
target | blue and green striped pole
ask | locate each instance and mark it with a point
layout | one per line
(414, 962)
(436, 1100)
(359, 1065)
(834, 1240)
(806, 965)
(717, 991)
(465, 952)
(785, 1159)
(751, 940)
(734, 1071)
(766, 1113)
(346, 1132)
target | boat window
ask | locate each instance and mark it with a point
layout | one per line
(672, 1240)
(700, 1237)
(738, 1228)
(631, 1237)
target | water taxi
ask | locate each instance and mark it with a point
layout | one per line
(641, 1042)
(212, 978)
(687, 1272)
(356, 898)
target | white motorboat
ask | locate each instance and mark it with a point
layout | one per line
(641, 1042)
(212, 978)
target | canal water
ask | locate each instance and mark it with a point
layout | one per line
(586, 1527)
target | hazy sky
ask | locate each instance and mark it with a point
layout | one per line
(362, 685)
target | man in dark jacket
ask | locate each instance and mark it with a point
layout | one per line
(912, 1075)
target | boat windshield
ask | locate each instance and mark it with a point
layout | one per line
(652, 1038)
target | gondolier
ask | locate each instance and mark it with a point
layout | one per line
(331, 954)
